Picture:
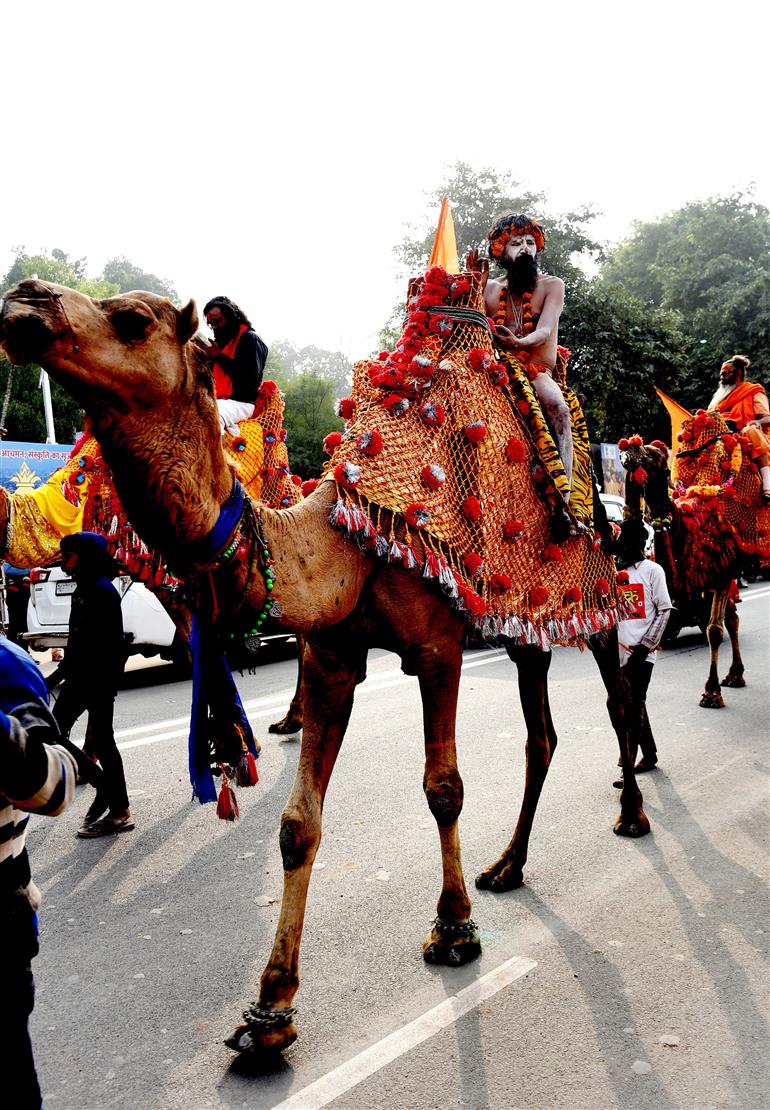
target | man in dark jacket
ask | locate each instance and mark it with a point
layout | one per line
(91, 670)
(239, 357)
(35, 777)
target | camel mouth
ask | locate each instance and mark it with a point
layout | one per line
(25, 335)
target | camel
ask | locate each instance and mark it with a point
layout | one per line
(130, 362)
(700, 555)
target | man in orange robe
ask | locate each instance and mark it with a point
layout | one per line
(745, 405)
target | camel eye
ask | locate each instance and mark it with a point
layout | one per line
(130, 324)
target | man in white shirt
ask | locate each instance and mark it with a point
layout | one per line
(643, 585)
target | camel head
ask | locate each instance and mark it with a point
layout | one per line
(647, 472)
(129, 361)
(126, 353)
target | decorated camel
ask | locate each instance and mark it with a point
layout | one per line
(705, 523)
(380, 576)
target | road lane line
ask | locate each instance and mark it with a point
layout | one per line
(371, 1060)
(755, 595)
(271, 705)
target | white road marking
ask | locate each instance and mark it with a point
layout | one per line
(371, 1060)
(270, 705)
(755, 595)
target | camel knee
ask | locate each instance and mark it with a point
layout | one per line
(714, 636)
(298, 841)
(445, 797)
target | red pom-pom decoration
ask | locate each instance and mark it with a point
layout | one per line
(636, 441)
(347, 474)
(332, 442)
(538, 596)
(472, 563)
(370, 442)
(500, 582)
(475, 431)
(552, 553)
(661, 446)
(622, 577)
(396, 404)
(432, 413)
(471, 509)
(268, 473)
(515, 451)
(480, 359)
(239, 444)
(346, 406)
(573, 595)
(308, 486)
(267, 389)
(639, 476)
(433, 476)
(623, 444)
(602, 587)
(513, 529)
(436, 275)
(296, 479)
(417, 515)
(388, 378)
(498, 375)
(441, 325)
(421, 367)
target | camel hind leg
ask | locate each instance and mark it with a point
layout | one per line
(507, 872)
(453, 939)
(712, 695)
(333, 665)
(734, 677)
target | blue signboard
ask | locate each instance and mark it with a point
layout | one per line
(25, 466)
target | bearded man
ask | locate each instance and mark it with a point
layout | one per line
(525, 306)
(745, 405)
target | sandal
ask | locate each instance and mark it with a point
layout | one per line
(107, 826)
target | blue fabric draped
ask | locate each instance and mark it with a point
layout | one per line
(215, 696)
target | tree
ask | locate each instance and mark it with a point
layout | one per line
(710, 262)
(308, 418)
(284, 362)
(127, 277)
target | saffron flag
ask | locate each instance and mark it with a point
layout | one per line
(444, 251)
(676, 412)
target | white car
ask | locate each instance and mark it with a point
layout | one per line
(613, 506)
(148, 627)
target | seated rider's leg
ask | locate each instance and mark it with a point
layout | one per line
(556, 412)
(230, 412)
(759, 454)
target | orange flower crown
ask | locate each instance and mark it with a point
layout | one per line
(506, 226)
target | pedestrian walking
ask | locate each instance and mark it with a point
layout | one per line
(36, 776)
(90, 672)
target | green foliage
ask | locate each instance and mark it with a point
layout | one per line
(309, 417)
(128, 277)
(710, 262)
(284, 362)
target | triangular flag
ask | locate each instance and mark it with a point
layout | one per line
(676, 412)
(444, 251)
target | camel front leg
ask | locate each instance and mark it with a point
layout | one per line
(734, 677)
(453, 939)
(507, 872)
(712, 695)
(632, 820)
(292, 722)
(332, 668)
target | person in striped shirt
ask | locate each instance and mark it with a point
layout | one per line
(36, 776)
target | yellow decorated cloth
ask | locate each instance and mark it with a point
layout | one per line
(450, 483)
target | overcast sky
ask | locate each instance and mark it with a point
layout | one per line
(275, 152)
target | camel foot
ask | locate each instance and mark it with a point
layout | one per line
(263, 1031)
(712, 701)
(289, 724)
(501, 876)
(734, 681)
(451, 944)
(635, 826)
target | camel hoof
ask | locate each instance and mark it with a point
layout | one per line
(635, 827)
(263, 1031)
(499, 878)
(734, 681)
(712, 701)
(451, 945)
(289, 724)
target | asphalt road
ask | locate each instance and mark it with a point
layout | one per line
(623, 974)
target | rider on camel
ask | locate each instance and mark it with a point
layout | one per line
(745, 405)
(239, 357)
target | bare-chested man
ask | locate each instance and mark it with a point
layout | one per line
(526, 306)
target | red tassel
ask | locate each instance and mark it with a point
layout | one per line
(227, 806)
(247, 774)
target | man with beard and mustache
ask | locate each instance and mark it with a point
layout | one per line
(525, 306)
(239, 357)
(745, 405)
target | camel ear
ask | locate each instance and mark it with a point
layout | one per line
(187, 322)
